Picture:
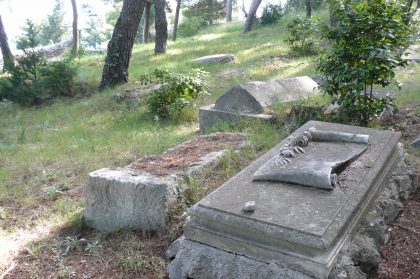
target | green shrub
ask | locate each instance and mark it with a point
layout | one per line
(190, 26)
(271, 14)
(368, 43)
(33, 80)
(303, 33)
(176, 92)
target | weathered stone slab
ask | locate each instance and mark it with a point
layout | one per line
(122, 198)
(216, 58)
(313, 158)
(140, 195)
(413, 53)
(191, 259)
(416, 142)
(301, 228)
(253, 97)
(208, 116)
(250, 99)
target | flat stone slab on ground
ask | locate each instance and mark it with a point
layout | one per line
(140, 195)
(299, 227)
(216, 58)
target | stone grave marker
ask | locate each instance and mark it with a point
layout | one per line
(140, 195)
(252, 98)
(296, 208)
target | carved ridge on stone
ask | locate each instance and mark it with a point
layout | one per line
(321, 173)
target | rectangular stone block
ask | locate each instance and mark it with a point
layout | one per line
(209, 116)
(302, 228)
(140, 195)
(122, 198)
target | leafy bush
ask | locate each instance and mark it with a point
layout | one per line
(176, 92)
(271, 14)
(190, 26)
(303, 33)
(33, 80)
(368, 43)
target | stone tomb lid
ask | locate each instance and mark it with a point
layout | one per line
(253, 97)
(299, 219)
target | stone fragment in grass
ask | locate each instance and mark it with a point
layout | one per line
(216, 58)
(140, 195)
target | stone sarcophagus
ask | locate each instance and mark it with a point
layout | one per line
(299, 204)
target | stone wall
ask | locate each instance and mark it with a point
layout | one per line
(48, 52)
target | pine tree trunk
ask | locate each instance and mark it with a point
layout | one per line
(418, 5)
(177, 10)
(121, 44)
(243, 9)
(229, 10)
(76, 40)
(161, 26)
(251, 15)
(308, 8)
(146, 22)
(5, 50)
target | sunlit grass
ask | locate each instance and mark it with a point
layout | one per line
(63, 142)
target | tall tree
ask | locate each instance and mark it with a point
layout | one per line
(93, 33)
(243, 9)
(418, 5)
(229, 4)
(161, 26)
(121, 44)
(146, 22)
(53, 29)
(251, 15)
(177, 11)
(5, 50)
(76, 40)
(308, 4)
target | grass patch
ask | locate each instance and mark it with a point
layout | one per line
(52, 149)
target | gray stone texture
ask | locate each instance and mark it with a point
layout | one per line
(362, 252)
(253, 97)
(199, 261)
(249, 100)
(314, 162)
(134, 199)
(121, 198)
(215, 59)
(208, 117)
(291, 220)
(416, 142)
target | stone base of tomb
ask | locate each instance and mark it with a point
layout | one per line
(191, 259)
(209, 116)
